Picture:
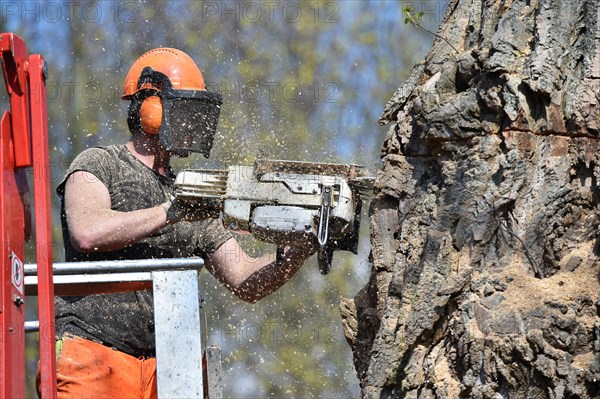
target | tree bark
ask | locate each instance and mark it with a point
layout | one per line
(484, 222)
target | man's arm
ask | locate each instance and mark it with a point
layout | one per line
(252, 279)
(94, 226)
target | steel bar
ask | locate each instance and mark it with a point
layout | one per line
(120, 266)
(178, 335)
(32, 326)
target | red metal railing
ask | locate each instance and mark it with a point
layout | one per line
(24, 143)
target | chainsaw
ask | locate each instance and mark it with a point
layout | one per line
(284, 202)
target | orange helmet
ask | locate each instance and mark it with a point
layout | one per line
(179, 67)
(169, 98)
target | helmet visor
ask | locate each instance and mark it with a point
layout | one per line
(190, 117)
(190, 121)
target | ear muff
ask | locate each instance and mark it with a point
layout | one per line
(152, 115)
(151, 112)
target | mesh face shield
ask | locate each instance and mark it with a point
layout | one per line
(189, 117)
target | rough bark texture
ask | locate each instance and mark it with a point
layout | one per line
(485, 220)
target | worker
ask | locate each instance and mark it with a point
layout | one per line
(117, 204)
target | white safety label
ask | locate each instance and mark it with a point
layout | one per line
(18, 273)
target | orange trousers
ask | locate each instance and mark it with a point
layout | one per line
(86, 369)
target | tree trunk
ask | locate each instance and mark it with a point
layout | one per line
(485, 216)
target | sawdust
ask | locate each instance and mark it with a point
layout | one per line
(443, 376)
(583, 361)
(526, 292)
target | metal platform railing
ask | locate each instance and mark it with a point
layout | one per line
(176, 313)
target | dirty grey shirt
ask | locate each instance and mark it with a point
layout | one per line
(125, 320)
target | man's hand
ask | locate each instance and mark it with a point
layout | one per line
(177, 211)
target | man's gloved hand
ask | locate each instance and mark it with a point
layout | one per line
(178, 211)
(306, 247)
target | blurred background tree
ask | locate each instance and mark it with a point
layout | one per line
(301, 80)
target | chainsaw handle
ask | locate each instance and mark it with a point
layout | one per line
(323, 231)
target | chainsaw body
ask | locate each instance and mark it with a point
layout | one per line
(284, 202)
